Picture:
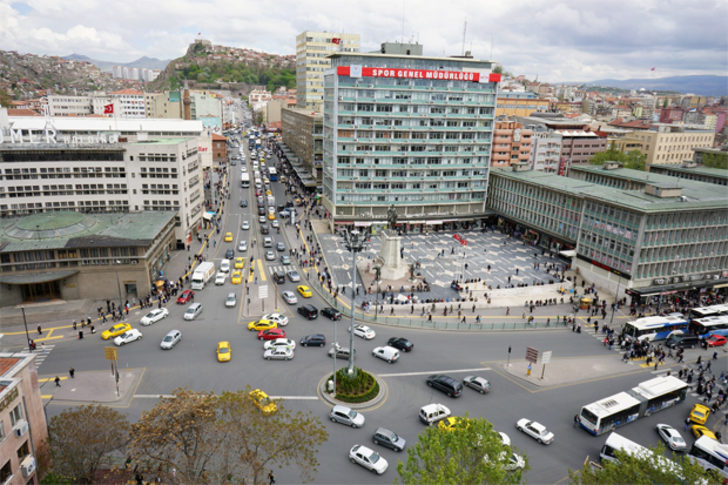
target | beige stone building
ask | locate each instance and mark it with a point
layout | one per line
(23, 429)
(511, 144)
(303, 133)
(311, 62)
(669, 144)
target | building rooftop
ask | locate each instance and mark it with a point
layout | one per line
(700, 170)
(376, 55)
(696, 195)
(67, 229)
(160, 141)
(92, 124)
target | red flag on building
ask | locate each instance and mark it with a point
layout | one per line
(108, 109)
(652, 69)
(336, 40)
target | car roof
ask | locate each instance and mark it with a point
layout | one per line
(537, 426)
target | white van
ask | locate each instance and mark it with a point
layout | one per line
(225, 266)
(432, 413)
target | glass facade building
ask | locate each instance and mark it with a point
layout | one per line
(410, 132)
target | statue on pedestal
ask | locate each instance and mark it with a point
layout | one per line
(392, 218)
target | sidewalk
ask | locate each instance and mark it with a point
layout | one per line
(92, 387)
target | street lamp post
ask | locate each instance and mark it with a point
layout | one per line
(614, 305)
(118, 285)
(27, 335)
(354, 242)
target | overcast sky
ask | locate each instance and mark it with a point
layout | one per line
(554, 40)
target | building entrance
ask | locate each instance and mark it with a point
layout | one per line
(40, 291)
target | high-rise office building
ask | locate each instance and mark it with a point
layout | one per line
(312, 49)
(411, 132)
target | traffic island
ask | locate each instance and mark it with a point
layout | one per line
(359, 390)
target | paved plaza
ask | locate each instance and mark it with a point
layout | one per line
(493, 257)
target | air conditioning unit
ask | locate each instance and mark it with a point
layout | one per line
(20, 428)
(27, 466)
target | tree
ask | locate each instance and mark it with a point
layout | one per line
(80, 437)
(202, 438)
(716, 160)
(634, 159)
(643, 469)
(5, 99)
(471, 453)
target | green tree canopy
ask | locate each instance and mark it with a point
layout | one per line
(471, 453)
(644, 469)
(634, 159)
(716, 160)
(80, 437)
(206, 438)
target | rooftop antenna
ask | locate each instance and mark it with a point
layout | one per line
(465, 31)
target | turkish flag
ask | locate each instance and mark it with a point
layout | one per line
(108, 109)
(336, 40)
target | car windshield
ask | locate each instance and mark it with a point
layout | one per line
(352, 413)
(168, 338)
(151, 314)
(374, 457)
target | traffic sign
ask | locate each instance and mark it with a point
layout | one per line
(263, 291)
(531, 354)
(546, 357)
(110, 353)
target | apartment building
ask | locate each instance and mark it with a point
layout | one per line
(511, 144)
(411, 132)
(219, 149)
(67, 105)
(167, 104)
(665, 144)
(127, 103)
(23, 429)
(303, 133)
(545, 150)
(520, 104)
(312, 49)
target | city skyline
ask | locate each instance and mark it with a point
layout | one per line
(554, 41)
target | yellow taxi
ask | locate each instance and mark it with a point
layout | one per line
(223, 351)
(115, 331)
(237, 277)
(699, 414)
(239, 263)
(305, 291)
(450, 423)
(271, 216)
(262, 401)
(268, 192)
(262, 324)
(699, 431)
(228, 237)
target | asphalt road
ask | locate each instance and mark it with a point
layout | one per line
(193, 364)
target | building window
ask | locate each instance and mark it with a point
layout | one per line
(15, 415)
(5, 472)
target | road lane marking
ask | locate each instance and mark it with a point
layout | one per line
(451, 371)
(296, 398)
(260, 267)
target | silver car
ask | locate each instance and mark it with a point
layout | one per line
(480, 384)
(172, 338)
(289, 297)
(245, 226)
(243, 246)
(231, 300)
(269, 256)
(671, 437)
(294, 276)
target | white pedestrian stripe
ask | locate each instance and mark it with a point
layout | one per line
(426, 373)
(42, 354)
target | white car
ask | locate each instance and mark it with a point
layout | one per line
(269, 256)
(294, 276)
(172, 338)
(278, 353)
(281, 320)
(220, 278)
(128, 336)
(245, 226)
(364, 332)
(289, 297)
(280, 343)
(390, 354)
(243, 246)
(368, 458)
(154, 316)
(275, 224)
(535, 430)
(672, 437)
(231, 300)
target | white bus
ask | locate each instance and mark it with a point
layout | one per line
(709, 311)
(655, 328)
(617, 442)
(273, 174)
(711, 455)
(622, 408)
(714, 325)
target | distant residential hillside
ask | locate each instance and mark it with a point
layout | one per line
(216, 66)
(142, 62)
(702, 85)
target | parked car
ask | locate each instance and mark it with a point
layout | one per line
(128, 337)
(347, 416)
(450, 386)
(308, 311)
(364, 332)
(280, 319)
(154, 316)
(535, 430)
(401, 343)
(271, 334)
(193, 311)
(389, 439)
(671, 437)
(331, 313)
(278, 353)
(387, 353)
(231, 300)
(262, 324)
(186, 297)
(280, 342)
(432, 413)
(315, 340)
(480, 384)
(289, 297)
(369, 459)
(172, 338)
(341, 352)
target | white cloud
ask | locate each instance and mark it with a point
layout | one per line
(560, 40)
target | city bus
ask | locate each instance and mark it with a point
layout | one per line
(616, 442)
(711, 455)
(272, 174)
(715, 325)
(624, 407)
(656, 327)
(245, 180)
(709, 311)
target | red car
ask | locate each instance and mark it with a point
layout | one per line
(271, 334)
(716, 340)
(186, 297)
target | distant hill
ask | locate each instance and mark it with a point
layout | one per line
(702, 85)
(205, 65)
(142, 62)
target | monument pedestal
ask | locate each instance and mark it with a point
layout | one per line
(393, 268)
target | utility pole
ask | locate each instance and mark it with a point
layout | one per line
(27, 335)
(354, 242)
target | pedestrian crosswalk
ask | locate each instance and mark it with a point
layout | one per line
(41, 353)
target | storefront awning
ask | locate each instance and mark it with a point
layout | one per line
(32, 278)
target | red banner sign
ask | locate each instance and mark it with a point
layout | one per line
(414, 74)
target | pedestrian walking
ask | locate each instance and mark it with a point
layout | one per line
(40, 330)
(271, 478)
(72, 372)
(57, 380)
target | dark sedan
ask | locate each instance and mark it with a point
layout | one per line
(331, 313)
(401, 343)
(315, 340)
